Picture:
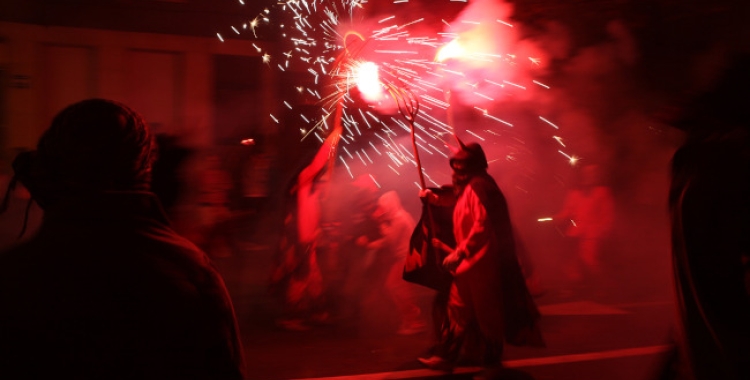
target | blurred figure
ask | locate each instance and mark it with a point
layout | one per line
(256, 200)
(167, 182)
(709, 205)
(488, 303)
(106, 289)
(390, 251)
(171, 184)
(296, 276)
(347, 214)
(215, 232)
(255, 180)
(587, 216)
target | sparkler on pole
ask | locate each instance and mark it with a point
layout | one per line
(339, 42)
(337, 129)
(430, 258)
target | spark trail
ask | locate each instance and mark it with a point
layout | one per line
(357, 58)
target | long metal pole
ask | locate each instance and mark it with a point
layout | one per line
(416, 154)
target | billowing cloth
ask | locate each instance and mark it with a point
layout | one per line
(489, 280)
(107, 290)
(710, 204)
(424, 264)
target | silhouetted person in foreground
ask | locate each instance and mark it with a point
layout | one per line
(710, 211)
(488, 302)
(106, 289)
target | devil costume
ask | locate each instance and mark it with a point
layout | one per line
(488, 301)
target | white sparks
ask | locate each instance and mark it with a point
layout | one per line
(326, 38)
(505, 23)
(394, 170)
(386, 19)
(497, 119)
(376, 182)
(514, 84)
(347, 167)
(571, 159)
(475, 135)
(549, 122)
(483, 96)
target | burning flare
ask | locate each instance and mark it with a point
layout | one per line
(368, 81)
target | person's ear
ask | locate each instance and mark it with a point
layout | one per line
(27, 172)
(22, 168)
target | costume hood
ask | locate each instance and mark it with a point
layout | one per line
(472, 155)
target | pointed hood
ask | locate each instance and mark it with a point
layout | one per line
(469, 157)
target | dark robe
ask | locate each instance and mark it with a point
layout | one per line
(494, 269)
(424, 264)
(107, 290)
(710, 210)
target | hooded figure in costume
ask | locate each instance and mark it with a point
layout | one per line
(106, 289)
(488, 303)
(709, 204)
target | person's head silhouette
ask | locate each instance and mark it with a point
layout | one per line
(92, 146)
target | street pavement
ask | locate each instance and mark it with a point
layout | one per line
(616, 332)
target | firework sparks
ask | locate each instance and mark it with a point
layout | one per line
(354, 62)
(573, 160)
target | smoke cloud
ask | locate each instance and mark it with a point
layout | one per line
(564, 99)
